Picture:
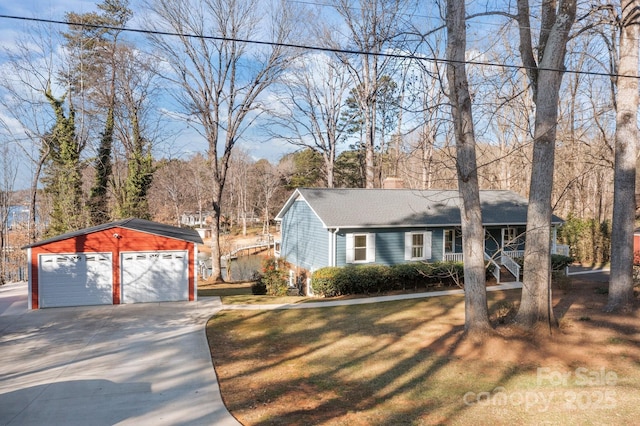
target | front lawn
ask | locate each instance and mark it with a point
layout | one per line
(405, 362)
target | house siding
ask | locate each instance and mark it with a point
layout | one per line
(437, 243)
(305, 242)
(493, 239)
(390, 244)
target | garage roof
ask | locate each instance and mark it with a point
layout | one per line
(185, 234)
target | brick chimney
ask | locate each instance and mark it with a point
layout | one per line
(392, 183)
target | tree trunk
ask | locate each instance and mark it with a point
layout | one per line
(216, 267)
(476, 313)
(624, 181)
(545, 78)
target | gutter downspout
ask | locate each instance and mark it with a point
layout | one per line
(333, 249)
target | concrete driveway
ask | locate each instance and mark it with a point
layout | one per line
(144, 364)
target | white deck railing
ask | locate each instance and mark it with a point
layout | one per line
(453, 257)
(511, 265)
(496, 267)
(513, 253)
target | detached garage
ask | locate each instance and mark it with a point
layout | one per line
(127, 261)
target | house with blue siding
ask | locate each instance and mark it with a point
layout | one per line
(337, 227)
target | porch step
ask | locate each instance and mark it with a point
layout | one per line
(506, 276)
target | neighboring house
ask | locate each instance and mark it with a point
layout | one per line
(127, 261)
(336, 227)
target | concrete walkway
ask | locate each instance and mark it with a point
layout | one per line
(144, 364)
(365, 300)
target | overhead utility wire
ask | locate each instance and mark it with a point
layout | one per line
(314, 48)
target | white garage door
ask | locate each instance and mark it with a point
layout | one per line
(155, 276)
(75, 279)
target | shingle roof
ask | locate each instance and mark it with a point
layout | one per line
(185, 234)
(360, 208)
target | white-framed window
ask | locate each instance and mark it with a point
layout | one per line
(509, 236)
(417, 245)
(361, 248)
(449, 240)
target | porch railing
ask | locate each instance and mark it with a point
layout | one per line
(453, 257)
(511, 265)
(512, 254)
(496, 267)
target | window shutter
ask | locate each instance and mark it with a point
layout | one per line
(350, 248)
(427, 245)
(408, 245)
(371, 247)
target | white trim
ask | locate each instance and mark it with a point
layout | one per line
(505, 239)
(30, 279)
(370, 247)
(195, 272)
(333, 246)
(349, 253)
(135, 285)
(426, 245)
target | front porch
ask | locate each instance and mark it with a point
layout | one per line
(504, 260)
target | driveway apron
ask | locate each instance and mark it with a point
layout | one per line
(143, 364)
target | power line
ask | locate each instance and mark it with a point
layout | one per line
(311, 47)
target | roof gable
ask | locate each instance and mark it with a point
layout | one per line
(373, 208)
(142, 225)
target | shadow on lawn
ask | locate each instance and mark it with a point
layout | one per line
(389, 363)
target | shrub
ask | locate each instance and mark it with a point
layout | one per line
(559, 262)
(323, 282)
(445, 273)
(371, 279)
(407, 275)
(258, 288)
(274, 277)
(367, 279)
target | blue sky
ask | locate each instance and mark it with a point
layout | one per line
(185, 143)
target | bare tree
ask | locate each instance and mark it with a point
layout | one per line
(218, 81)
(372, 26)
(476, 312)
(309, 113)
(626, 149)
(8, 172)
(238, 191)
(171, 193)
(266, 180)
(29, 71)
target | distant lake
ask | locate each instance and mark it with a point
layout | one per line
(17, 214)
(243, 268)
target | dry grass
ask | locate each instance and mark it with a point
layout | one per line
(408, 363)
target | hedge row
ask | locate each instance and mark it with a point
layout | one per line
(367, 279)
(558, 262)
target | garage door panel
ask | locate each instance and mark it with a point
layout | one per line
(75, 280)
(155, 277)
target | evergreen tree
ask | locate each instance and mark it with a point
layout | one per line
(95, 50)
(63, 171)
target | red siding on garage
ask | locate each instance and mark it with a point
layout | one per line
(104, 242)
